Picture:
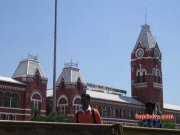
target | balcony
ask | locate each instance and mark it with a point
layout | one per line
(140, 85)
(157, 85)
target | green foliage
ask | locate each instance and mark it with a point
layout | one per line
(35, 112)
(41, 118)
(168, 123)
(57, 117)
(54, 117)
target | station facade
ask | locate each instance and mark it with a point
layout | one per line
(27, 92)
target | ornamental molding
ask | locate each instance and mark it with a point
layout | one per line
(11, 88)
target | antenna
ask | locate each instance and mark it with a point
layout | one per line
(145, 15)
(71, 60)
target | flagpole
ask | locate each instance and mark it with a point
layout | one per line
(54, 63)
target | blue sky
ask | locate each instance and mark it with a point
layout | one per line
(98, 34)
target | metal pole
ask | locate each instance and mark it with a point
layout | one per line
(54, 65)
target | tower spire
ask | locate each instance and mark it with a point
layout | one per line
(146, 15)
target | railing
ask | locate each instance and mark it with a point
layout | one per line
(140, 85)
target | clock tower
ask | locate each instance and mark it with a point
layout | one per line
(146, 72)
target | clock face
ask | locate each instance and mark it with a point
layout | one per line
(139, 53)
(156, 53)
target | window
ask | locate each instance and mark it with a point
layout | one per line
(124, 113)
(156, 75)
(76, 103)
(110, 112)
(63, 109)
(37, 77)
(7, 100)
(141, 76)
(103, 111)
(138, 78)
(63, 104)
(77, 107)
(117, 112)
(36, 101)
(132, 114)
(14, 100)
(120, 113)
(100, 110)
(79, 84)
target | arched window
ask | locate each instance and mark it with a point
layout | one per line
(117, 113)
(77, 103)
(128, 114)
(110, 112)
(124, 113)
(105, 111)
(37, 78)
(141, 75)
(36, 100)
(120, 113)
(62, 104)
(157, 75)
(132, 115)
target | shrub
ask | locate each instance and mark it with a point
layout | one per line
(168, 123)
(54, 117)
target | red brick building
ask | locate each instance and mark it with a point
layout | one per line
(146, 73)
(113, 105)
(25, 91)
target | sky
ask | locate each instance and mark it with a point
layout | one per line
(98, 34)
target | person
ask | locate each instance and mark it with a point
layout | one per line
(87, 114)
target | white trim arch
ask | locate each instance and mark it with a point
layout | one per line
(36, 92)
(63, 96)
(62, 107)
(156, 72)
(141, 72)
(76, 106)
(36, 103)
(76, 97)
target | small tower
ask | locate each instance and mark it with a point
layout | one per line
(69, 87)
(146, 72)
(30, 73)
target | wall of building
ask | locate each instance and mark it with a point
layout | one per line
(40, 128)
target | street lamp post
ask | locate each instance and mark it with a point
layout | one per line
(54, 63)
